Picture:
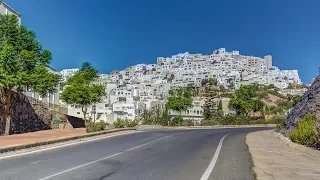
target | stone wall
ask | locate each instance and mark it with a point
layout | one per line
(29, 115)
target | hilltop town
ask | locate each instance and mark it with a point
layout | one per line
(144, 86)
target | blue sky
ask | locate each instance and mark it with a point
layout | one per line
(113, 34)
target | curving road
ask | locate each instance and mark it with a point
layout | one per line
(204, 154)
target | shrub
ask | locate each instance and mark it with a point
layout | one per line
(276, 120)
(209, 123)
(188, 122)
(175, 121)
(122, 123)
(278, 127)
(95, 127)
(305, 132)
(131, 123)
(119, 123)
(275, 93)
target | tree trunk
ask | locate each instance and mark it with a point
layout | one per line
(8, 124)
(7, 110)
(84, 111)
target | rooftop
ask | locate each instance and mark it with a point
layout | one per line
(10, 8)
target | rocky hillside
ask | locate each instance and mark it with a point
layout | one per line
(310, 103)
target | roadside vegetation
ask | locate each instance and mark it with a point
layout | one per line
(179, 100)
(251, 104)
(125, 123)
(96, 127)
(306, 132)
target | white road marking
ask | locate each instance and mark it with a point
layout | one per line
(35, 162)
(209, 169)
(63, 145)
(92, 162)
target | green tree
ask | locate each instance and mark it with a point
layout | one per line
(82, 89)
(180, 100)
(23, 64)
(209, 107)
(245, 100)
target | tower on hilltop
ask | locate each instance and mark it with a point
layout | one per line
(268, 60)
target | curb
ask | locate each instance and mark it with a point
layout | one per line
(221, 126)
(30, 145)
(298, 147)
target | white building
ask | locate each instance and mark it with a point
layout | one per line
(6, 9)
(66, 73)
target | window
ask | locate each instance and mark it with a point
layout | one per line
(78, 112)
(72, 105)
(198, 112)
(106, 105)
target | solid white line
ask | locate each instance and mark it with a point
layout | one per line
(209, 169)
(63, 145)
(92, 162)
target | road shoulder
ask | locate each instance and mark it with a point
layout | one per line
(274, 159)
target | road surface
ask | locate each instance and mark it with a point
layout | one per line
(206, 154)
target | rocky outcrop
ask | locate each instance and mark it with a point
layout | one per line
(310, 103)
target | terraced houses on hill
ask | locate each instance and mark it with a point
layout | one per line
(142, 86)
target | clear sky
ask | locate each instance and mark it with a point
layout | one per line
(113, 34)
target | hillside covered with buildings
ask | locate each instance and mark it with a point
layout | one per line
(145, 86)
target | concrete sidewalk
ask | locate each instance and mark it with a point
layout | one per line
(274, 159)
(39, 138)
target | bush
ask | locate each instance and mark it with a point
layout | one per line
(95, 127)
(209, 123)
(276, 120)
(175, 121)
(278, 128)
(305, 132)
(188, 122)
(119, 123)
(122, 123)
(131, 123)
(275, 93)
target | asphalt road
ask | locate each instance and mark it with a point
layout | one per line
(157, 155)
